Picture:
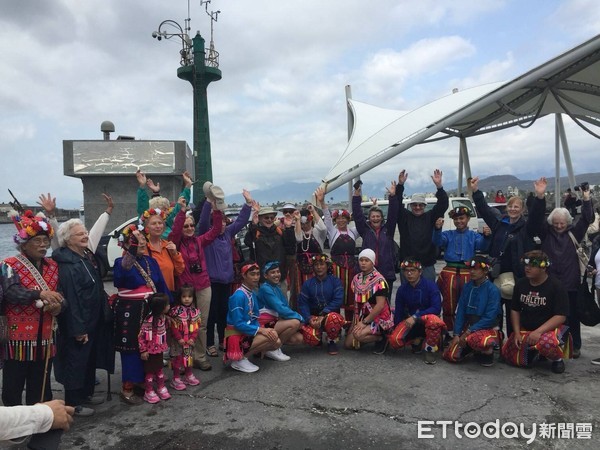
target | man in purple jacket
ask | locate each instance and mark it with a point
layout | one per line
(219, 263)
(378, 234)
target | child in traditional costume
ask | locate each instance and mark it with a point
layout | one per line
(185, 323)
(152, 340)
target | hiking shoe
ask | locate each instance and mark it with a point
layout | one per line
(430, 358)
(576, 353)
(243, 365)
(191, 380)
(486, 360)
(94, 400)
(151, 397)
(82, 411)
(332, 348)
(163, 393)
(277, 355)
(596, 361)
(380, 346)
(177, 384)
(558, 366)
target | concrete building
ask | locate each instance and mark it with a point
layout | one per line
(109, 166)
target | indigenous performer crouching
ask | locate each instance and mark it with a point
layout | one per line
(417, 313)
(540, 306)
(319, 304)
(243, 334)
(275, 312)
(476, 325)
(372, 316)
(31, 302)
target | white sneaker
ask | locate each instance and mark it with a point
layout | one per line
(277, 355)
(243, 365)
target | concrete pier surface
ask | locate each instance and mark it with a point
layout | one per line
(358, 400)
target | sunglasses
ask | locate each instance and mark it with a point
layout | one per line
(188, 226)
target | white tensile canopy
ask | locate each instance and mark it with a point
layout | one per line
(567, 84)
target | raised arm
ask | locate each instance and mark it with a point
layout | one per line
(536, 222)
(143, 202)
(393, 210)
(99, 226)
(482, 207)
(442, 197)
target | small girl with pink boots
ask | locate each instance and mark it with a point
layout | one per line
(153, 342)
(185, 322)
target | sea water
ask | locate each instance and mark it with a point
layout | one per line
(7, 244)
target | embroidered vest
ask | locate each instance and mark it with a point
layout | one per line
(24, 321)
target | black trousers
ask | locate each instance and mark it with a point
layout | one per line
(19, 375)
(219, 305)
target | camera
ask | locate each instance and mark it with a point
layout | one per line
(358, 184)
(585, 186)
(195, 268)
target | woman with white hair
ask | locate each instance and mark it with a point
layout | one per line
(81, 324)
(559, 235)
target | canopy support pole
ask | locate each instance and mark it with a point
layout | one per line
(566, 151)
(460, 170)
(464, 156)
(350, 128)
(557, 189)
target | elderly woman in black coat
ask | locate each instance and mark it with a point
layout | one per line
(560, 238)
(82, 327)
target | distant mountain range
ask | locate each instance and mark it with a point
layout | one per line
(301, 192)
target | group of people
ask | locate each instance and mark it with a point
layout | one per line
(181, 281)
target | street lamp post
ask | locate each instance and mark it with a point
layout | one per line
(200, 70)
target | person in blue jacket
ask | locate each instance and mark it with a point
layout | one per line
(417, 314)
(459, 245)
(274, 311)
(319, 303)
(243, 334)
(477, 317)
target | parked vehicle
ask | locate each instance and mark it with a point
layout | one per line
(453, 202)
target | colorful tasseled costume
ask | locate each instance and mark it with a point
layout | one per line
(451, 282)
(24, 322)
(185, 323)
(478, 341)
(554, 345)
(332, 324)
(153, 339)
(428, 326)
(365, 288)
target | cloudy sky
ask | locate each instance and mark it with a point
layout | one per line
(278, 114)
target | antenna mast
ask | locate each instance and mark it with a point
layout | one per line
(212, 58)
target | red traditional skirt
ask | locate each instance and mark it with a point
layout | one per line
(479, 341)
(332, 325)
(553, 345)
(451, 282)
(433, 332)
(236, 344)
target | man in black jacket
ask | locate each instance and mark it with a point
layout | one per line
(416, 225)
